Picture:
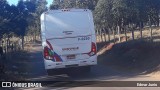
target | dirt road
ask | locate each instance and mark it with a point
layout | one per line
(100, 72)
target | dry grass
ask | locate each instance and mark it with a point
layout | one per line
(145, 34)
(28, 47)
(14, 70)
(105, 48)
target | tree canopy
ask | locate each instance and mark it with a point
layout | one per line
(126, 11)
(21, 18)
(24, 18)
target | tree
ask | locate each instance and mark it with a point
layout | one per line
(22, 18)
(103, 15)
(22, 22)
(30, 5)
(121, 15)
(152, 8)
(124, 13)
(110, 14)
(34, 16)
(83, 4)
(141, 14)
(55, 4)
(3, 17)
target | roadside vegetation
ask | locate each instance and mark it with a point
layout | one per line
(135, 56)
(19, 26)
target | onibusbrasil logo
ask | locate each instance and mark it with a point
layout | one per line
(20, 84)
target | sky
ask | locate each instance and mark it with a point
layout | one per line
(16, 1)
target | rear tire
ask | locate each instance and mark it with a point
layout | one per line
(79, 71)
(51, 72)
(86, 69)
(70, 71)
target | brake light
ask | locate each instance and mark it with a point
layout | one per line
(47, 53)
(93, 50)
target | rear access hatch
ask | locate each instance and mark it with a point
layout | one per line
(69, 33)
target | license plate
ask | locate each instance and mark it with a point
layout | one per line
(75, 65)
(71, 57)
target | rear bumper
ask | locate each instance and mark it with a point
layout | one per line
(57, 65)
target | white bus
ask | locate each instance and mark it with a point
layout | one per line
(68, 39)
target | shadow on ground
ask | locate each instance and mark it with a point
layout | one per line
(136, 56)
(124, 60)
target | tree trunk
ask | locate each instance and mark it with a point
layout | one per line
(132, 30)
(119, 37)
(101, 35)
(109, 39)
(7, 45)
(104, 35)
(125, 32)
(100, 39)
(114, 38)
(132, 34)
(150, 25)
(151, 37)
(98, 35)
(22, 42)
(158, 22)
(34, 36)
(141, 33)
